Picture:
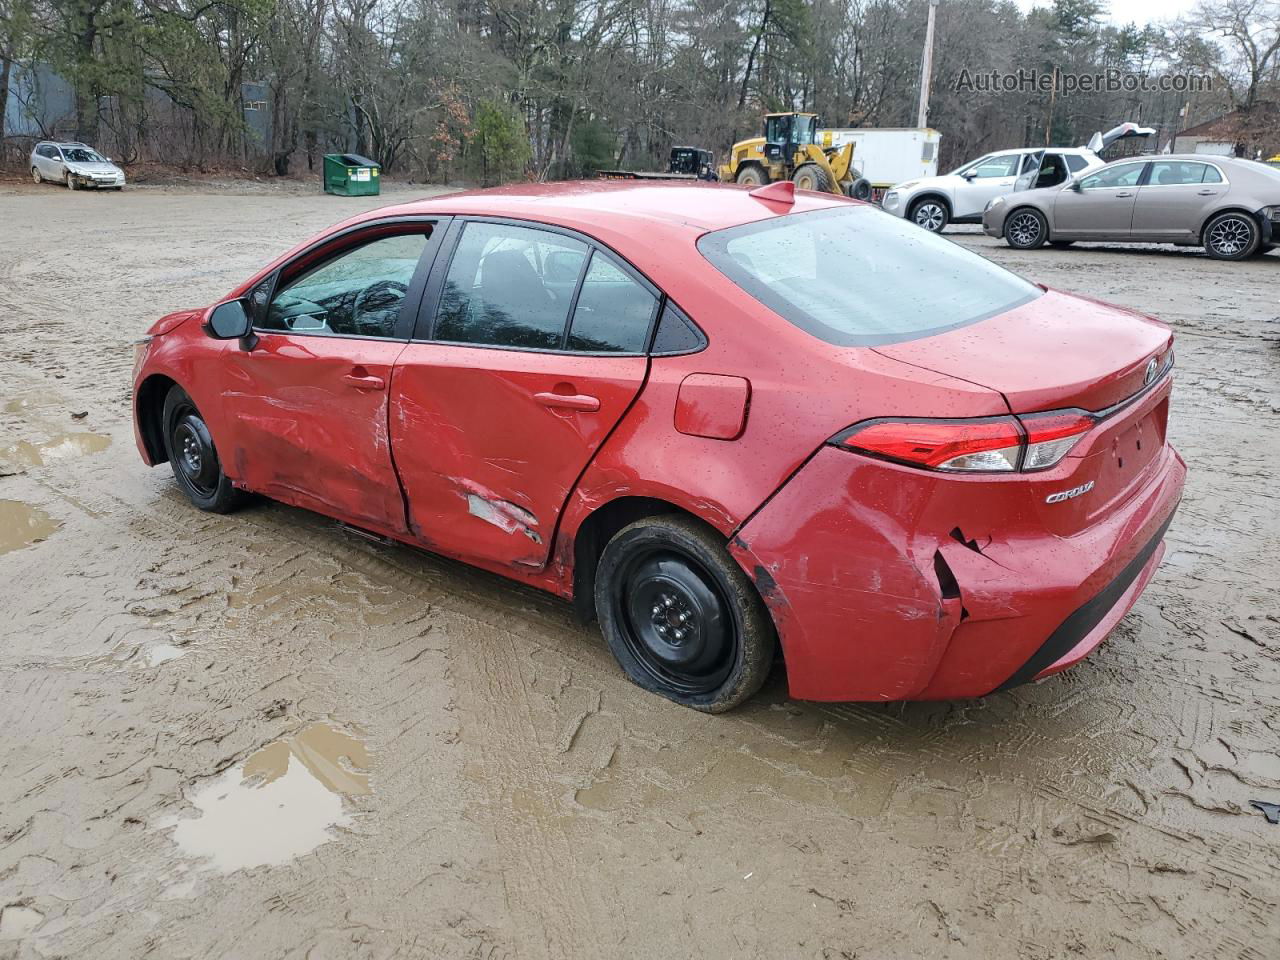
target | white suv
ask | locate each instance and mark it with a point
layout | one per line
(961, 195)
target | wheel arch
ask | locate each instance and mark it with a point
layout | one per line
(599, 526)
(148, 411)
(930, 195)
(1234, 208)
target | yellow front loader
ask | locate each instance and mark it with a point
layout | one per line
(789, 151)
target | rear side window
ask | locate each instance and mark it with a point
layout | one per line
(510, 286)
(613, 312)
(1075, 162)
(854, 276)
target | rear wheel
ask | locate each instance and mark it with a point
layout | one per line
(929, 213)
(680, 615)
(752, 175)
(35, 175)
(1026, 229)
(1231, 236)
(810, 176)
(193, 457)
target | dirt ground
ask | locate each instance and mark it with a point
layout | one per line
(439, 764)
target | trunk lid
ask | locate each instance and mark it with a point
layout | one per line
(1055, 352)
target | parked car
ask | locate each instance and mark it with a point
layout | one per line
(1230, 207)
(961, 195)
(711, 417)
(75, 165)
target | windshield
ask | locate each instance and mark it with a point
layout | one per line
(856, 276)
(82, 155)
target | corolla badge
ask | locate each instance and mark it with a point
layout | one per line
(1150, 375)
(1069, 494)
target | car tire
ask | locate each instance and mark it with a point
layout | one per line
(194, 458)
(71, 183)
(680, 616)
(35, 175)
(859, 189)
(752, 174)
(1026, 229)
(1231, 236)
(929, 213)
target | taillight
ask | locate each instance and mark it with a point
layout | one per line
(988, 445)
(1050, 436)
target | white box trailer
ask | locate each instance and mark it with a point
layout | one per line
(888, 155)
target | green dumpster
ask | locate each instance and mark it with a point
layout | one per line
(351, 175)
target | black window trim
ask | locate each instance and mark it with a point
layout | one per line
(428, 313)
(339, 240)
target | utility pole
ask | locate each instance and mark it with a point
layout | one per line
(926, 68)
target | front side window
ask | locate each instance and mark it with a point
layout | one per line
(613, 312)
(358, 293)
(1006, 166)
(1121, 175)
(854, 276)
(510, 286)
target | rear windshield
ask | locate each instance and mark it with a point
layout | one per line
(855, 276)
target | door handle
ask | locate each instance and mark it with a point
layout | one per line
(364, 382)
(568, 401)
(1124, 194)
(1206, 193)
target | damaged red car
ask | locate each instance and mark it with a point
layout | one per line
(727, 423)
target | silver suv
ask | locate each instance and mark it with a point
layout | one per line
(74, 164)
(961, 195)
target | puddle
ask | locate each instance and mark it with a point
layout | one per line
(59, 447)
(281, 803)
(162, 653)
(16, 921)
(22, 525)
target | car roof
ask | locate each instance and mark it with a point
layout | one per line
(644, 210)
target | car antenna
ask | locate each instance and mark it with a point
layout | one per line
(782, 191)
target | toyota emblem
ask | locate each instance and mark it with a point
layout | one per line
(1149, 377)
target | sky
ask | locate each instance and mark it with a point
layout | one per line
(1132, 11)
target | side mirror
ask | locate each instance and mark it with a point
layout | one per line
(1075, 185)
(230, 320)
(970, 175)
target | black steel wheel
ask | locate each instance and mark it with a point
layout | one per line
(1231, 236)
(1026, 229)
(680, 615)
(930, 213)
(194, 458)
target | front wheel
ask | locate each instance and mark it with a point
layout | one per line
(193, 457)
(1026, 229)
(1231, 236)
(810, 176)
(752, 175)
(930, 214)
(71, 183)
(680, 615)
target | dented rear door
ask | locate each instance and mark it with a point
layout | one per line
(530, 350)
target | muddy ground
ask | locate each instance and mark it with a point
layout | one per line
(441, 765)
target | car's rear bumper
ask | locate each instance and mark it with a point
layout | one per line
(884, 586)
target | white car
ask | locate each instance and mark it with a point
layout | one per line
(961, 195)
(75, 165)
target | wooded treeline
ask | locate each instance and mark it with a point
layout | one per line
(497, 89)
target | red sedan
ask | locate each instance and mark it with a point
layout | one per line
(717, 419)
